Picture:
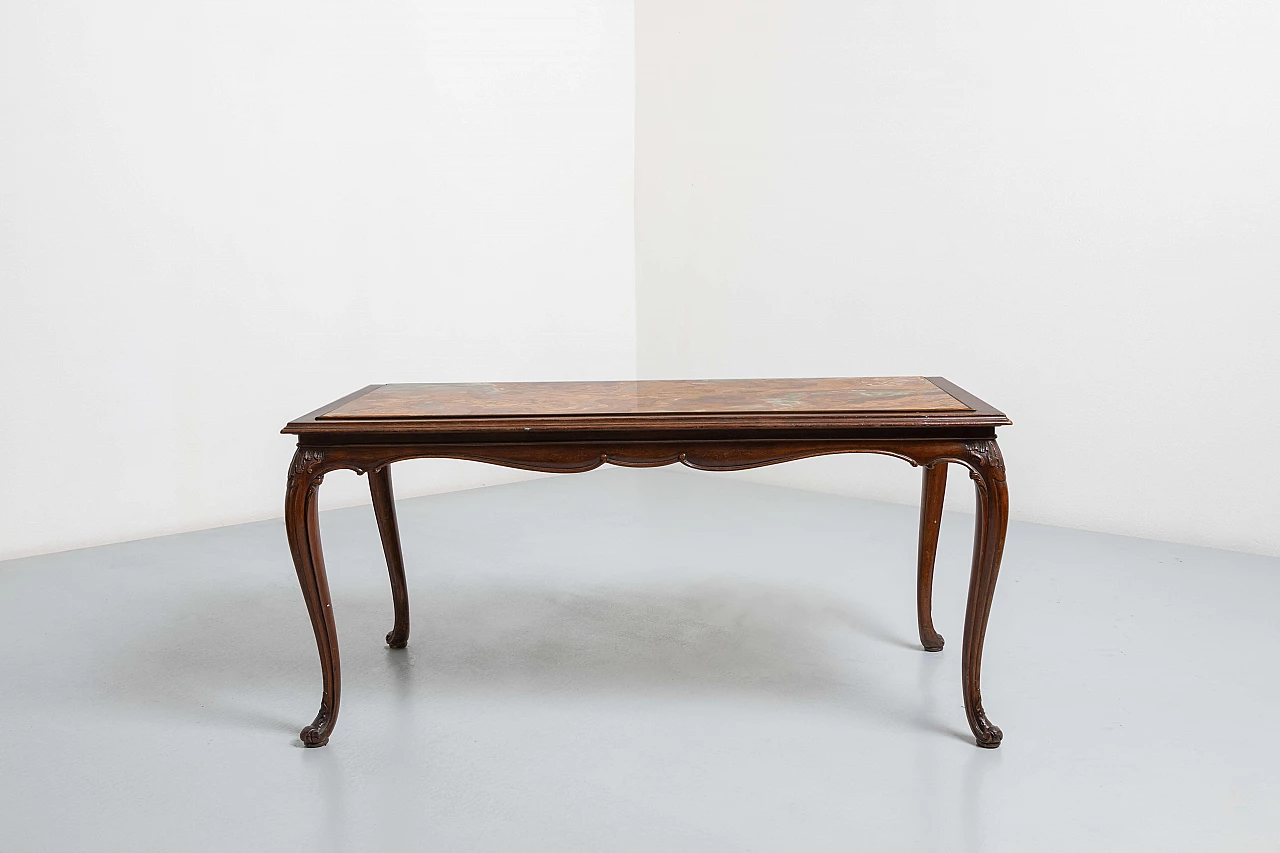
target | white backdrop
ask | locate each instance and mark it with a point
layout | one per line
(216, 217)
(1071, 209)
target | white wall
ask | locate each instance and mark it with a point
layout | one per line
(1071, 209)
(216, 216)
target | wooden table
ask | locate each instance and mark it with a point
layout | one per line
(719, 425)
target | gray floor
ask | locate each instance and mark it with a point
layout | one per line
(641, 661)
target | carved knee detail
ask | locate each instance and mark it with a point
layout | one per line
(303, 470)
(985, 459)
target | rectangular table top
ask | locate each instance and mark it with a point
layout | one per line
(515, 399)
(895, 401)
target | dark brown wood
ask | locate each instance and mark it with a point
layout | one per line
(566, 442)
(987, 471)
(932, 492)
(302, 524)
(384, 508)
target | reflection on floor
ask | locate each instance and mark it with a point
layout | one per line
(638, 660)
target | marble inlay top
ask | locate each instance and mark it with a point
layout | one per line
(681, 396)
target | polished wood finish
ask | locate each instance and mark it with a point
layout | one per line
(978, 419)
(932, 493)
(583, 437)
(988, 547)
(384, 508)
(302, 523)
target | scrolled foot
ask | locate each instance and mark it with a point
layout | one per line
(932, 641)
(313, 737)
(317, 734)
(986, 733)
(397, 640)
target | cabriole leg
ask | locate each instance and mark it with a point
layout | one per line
(932, 491)
(384, 507)
(988, 546)
(302, 523)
